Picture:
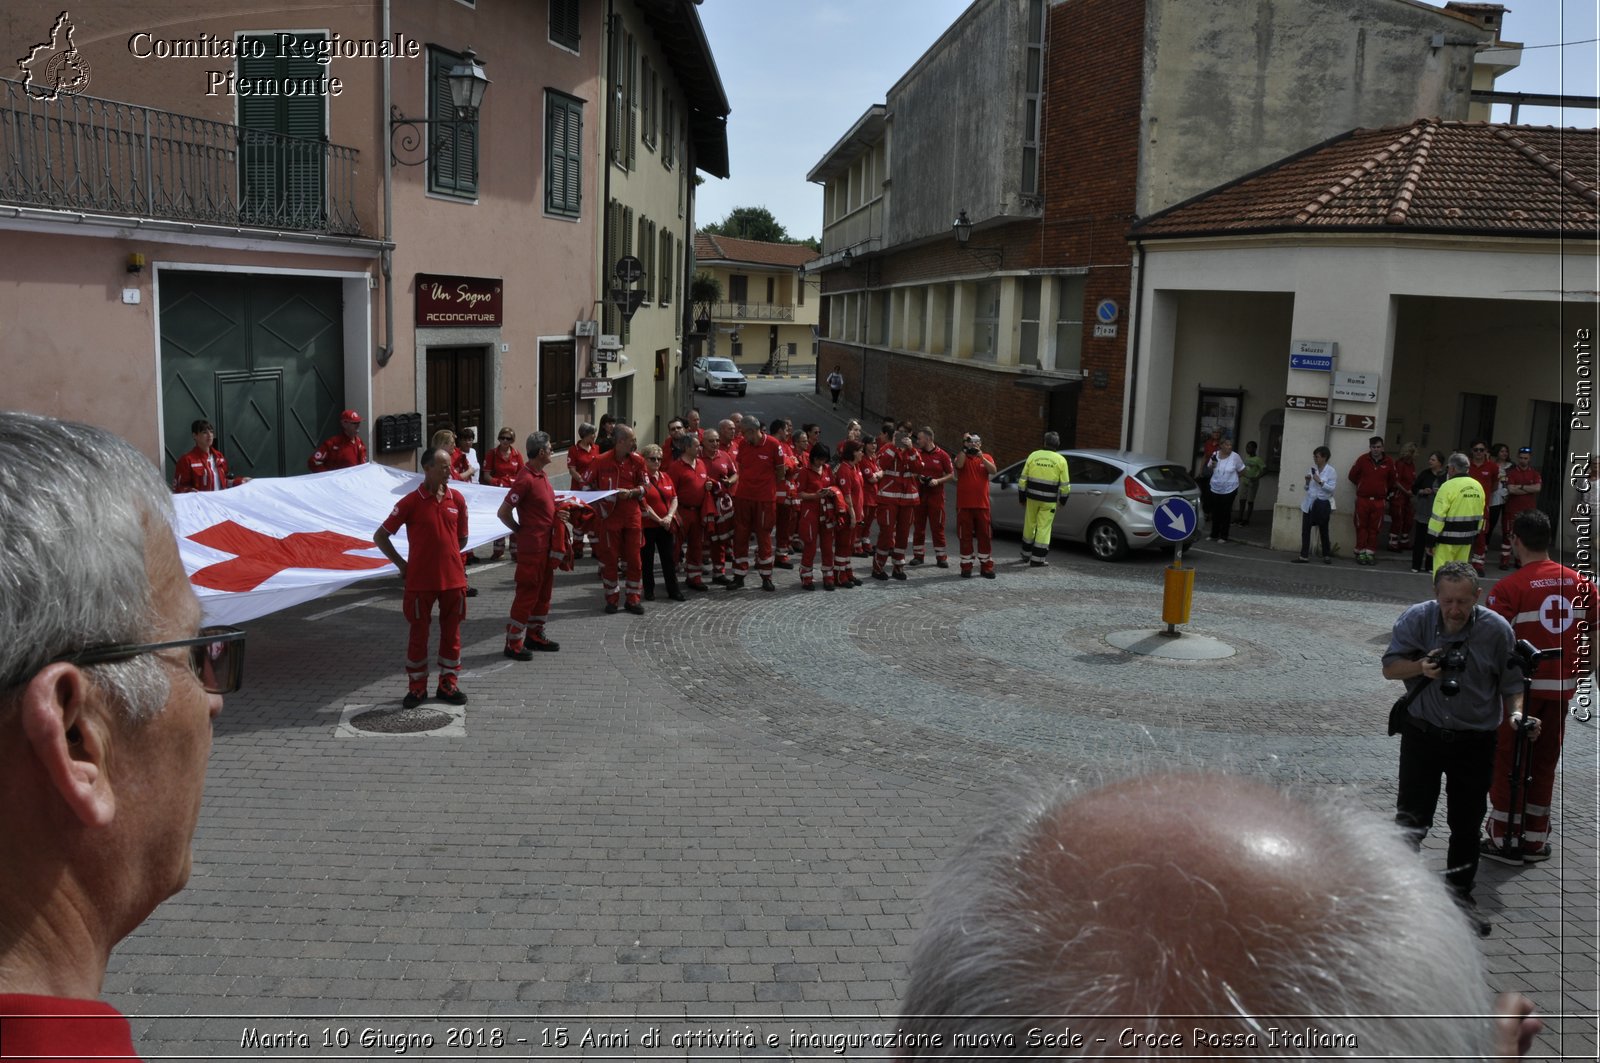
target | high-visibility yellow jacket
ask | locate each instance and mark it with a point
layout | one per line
(1457, 512)
(1044, 477)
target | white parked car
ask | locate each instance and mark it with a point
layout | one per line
(1113, 501)
(715, 375)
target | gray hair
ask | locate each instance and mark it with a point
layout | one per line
(681, 444)
(1052, 440)
(537, 442)
(76, 503)
(1458, 462)
(1459, 571)
(585, 430)
(1024, 926)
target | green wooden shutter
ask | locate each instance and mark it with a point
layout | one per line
(282, 181)
(563, 148)
(453, 148)
(565, 23)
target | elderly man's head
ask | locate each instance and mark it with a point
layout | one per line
(105, 728)
(1207, 903)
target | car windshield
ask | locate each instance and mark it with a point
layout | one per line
(720, 365)
(1167, 478)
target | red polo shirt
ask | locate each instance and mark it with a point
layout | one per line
(758, 465)
(338, 452)
(972, 483)
(535, 502)
(29, 1026)
(610, 473)
(436, 529)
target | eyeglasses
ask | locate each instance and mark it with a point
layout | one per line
(1480, 450)
(216, 656)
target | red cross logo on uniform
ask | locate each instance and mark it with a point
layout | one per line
(1556, 614)
(259, 557)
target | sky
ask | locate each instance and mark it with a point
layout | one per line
(798, 75)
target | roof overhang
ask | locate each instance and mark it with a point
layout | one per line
(866, 133)
(676, 25)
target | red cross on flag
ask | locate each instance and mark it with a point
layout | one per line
(275, 543)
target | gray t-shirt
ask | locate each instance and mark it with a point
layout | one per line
(1487, 640)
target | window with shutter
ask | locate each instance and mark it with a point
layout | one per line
(564, 23)
(613, 245)
(283, 138)
(453, 146)
(644, 254)
(627, 249)
(647, 80)
(631, 58)
(616, 121)
(563, 154)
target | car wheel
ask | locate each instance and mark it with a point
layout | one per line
(1107, 541)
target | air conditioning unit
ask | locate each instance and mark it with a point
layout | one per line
(586, 328)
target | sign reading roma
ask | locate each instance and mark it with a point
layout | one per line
(458, 302)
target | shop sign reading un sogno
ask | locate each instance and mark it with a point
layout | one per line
(458, 302)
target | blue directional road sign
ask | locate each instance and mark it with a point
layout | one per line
(1175, 519)
(1319, 363)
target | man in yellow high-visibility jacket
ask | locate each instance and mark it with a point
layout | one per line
(1043, 485)
(1458, 509)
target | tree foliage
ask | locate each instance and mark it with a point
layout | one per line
(756, 223)
(705, 289)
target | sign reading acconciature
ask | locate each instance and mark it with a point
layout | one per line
(458, 302)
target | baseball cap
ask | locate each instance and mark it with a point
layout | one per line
(350, 415)
(1524, 450)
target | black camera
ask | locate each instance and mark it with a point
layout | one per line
(1452, 663)
(971, 451)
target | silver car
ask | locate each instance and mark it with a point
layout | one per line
(1113, 501)
(718, 374)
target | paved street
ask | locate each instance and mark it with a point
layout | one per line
(718, 818)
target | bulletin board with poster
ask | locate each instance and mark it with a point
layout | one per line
(1216, 409)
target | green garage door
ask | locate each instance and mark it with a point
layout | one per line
(260, 357)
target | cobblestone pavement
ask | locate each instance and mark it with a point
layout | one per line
(718, 818)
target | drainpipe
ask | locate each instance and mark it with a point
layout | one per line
(1138, 325)
(607, 118)
(386, 257)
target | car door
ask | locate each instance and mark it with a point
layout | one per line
(1005, 514)
(699, 373)
(1092, 482)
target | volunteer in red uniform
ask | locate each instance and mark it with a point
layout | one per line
(1523, 484)
(621, 469)
(871, 509)
(1401, 515)
(1373, 475)
(815, 479)
(343, 450)
(529, 510)
(501, 467)
(973, 469)
(689, 473)
(1550, 605)
(788, 504)
(435, 519)
(937, 470)
(1483, 468)
(580, 456)
(897, 496)
(721, 474)
(761, 469)
(691, 421)
(847, 477)
(204, 468)
(659, 514)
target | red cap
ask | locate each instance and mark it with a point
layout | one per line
(350, 415)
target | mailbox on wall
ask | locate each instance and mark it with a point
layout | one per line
(399, 431)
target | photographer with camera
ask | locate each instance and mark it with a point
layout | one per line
(973, 469)
(1455, 657)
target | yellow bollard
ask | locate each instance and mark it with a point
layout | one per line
(1177, 596)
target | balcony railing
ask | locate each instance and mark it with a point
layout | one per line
(752, 311)
(106, 157)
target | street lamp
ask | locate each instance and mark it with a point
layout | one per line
(963, 228)
(994, 257)
(468, 83)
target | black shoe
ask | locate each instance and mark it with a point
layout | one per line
(721, 581)
(1301, 560)
(1491, 851)
(810, 587)
(1326, 560)
(827, 586)
(411, 700)
(523, 654)
(737, 584)
(988, 575)
(879, 573)
(854, 582)
(542, 644)
(451, 695)
(635, 608)
(1479, 922)
(965, 575)
(650, 596)
(766, 584)
(942, 564)
(472, 592)
(915, 561)
(898, 573)
(698, 588)
(782, 563)
(677, 596)
(611, 607)
(470, 559)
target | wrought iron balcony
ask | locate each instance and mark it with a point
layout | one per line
(81, 153)
(752, 312)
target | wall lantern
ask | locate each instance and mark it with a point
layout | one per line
(468, 83)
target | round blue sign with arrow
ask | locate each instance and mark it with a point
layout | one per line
(1175, 519)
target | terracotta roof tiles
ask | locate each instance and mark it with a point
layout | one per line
(1432, 176)
(709, 248)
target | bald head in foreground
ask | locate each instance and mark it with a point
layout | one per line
(1196, 915)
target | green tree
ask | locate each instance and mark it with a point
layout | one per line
(751, 223)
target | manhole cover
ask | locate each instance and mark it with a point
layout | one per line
(402, 721)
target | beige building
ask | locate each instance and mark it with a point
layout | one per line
(265, 218)
(766, 320)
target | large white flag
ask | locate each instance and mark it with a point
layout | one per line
(274, 543)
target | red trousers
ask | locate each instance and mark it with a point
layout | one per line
(1542, 756)
(929, 515)
(812, 533)
(844, 545)
(894, 523)
(692, 535)
(418, 608)
(718, 524)
(1369, 519)
(973, 523)
(1400, 521)
(531, 606)
(622, 546)
(752, 517)
(785, 522)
